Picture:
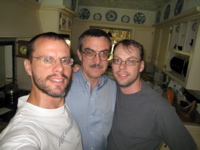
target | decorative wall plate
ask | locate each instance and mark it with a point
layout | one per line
(84, 13)
(177, 29)
(111, 15)
(125, 18)
(158, 16)
(97, 16)
(178, 7)
(194, 26)
(73, 5)
(139, 18)
(167, 12)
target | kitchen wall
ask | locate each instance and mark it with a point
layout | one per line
(144, 17)
(21, 20)
(121, 15)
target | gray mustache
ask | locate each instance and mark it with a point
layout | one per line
(96, 66)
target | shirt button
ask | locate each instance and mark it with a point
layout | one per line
(92, 148)
(91, 132)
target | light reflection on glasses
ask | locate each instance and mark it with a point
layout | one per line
(51, 60)
(90, 54)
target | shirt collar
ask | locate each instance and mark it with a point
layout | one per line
(103, 79)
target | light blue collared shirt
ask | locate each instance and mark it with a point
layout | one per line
(93, 111)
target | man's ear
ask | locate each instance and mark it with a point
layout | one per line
(142, 65)
(79, 55)
(27, 66)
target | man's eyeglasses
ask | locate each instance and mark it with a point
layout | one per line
(51, 60)
(90, 54)
(128, 62)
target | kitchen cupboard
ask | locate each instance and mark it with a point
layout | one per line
(145, 36)
(176, 48)
(55, 18)
(160, 46)
(141, 33)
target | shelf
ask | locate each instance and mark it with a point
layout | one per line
(181, 52)
(180, 59)
(176, 75)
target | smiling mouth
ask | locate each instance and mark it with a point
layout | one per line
(122, 75)
(57, 80)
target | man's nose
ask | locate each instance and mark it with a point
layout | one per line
(58, 66)
(122, 65)
(97, 58)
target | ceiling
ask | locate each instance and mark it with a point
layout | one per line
(149, 5)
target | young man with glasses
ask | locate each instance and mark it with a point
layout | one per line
(42, 120)
(142, 119)
(92, 95)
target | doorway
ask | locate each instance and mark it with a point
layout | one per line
(7, 61)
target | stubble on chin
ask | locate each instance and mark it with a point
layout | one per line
(58, 91)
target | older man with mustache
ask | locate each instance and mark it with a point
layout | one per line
(91, 98)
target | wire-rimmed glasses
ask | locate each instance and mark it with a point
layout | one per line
(51, 60)
(129, 62)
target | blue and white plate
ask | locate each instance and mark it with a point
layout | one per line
(111, 15)
(178, 7)
(158, 16)
(139, 18)
(167, 12)
(84, 13)
(97, 16)
(125, 18)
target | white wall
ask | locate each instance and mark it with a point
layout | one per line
(8, 62)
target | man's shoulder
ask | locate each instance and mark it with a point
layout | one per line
(19, 132)
(22, 100)
(153, 96)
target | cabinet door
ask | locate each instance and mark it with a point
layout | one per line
(156, 46)
(165, 35)
(145, 37)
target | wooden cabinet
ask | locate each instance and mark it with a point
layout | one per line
(156, 46)
(56, 19)
(145, 36)
(181, 61)
(177, 50)
(162, 36)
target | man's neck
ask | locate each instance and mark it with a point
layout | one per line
(93, 81)
(45, 101)
(133, 88)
